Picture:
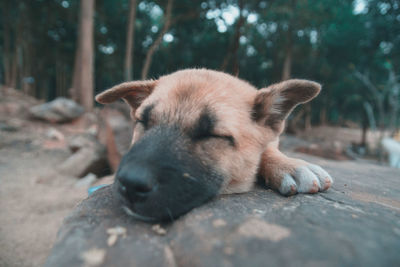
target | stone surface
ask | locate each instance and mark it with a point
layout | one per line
(392, 148)
(355, 223)
(82, 141)
(89, 156)
(105, 180)
(115, 133)
(59, 110)
(14, 103)
(86, 181)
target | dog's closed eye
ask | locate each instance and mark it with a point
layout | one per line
(205, 129)
(145, 116)
(141, 121)
(228, 138)
(201, 136)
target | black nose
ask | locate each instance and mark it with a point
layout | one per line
(136, 183)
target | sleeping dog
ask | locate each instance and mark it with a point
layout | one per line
(199, 133)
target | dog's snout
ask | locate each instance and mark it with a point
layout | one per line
(136, 183)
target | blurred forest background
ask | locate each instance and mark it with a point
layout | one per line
(55, 51)
(51, 48)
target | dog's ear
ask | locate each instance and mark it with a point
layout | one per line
(132, 92)
(273, 104)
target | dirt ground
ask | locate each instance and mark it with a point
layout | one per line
(32, 202)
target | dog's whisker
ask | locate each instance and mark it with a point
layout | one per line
(137, 216)
(187, 175)
(170, 214)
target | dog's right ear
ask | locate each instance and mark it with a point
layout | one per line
(273, 104)
(132, 92)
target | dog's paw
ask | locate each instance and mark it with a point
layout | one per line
(308, 178)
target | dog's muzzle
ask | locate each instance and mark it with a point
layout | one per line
(137, 182)
(160, 178)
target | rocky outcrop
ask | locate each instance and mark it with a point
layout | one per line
(59, 110)
(89, 156)
(115, 133)
(355, 223)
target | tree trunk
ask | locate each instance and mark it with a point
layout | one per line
(28, 56)
(323, 115)
(26, 70)
(157, 42)
(287, 64)
(307, 118)
(14, 68)
(20, 38)
(381, 113)
(294, 121)
(233, 50)
(364, 125)
(394, 87)
(14, 57)
(59, 78)
(130, 41)
(83, 73)
(6, 47)
(379, 97)
(73, 91)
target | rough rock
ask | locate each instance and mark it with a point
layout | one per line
(106, 180)
(4, 126)
(355, 223)
(86, 181)
(14, 103)
(392, 148)
(89, 156)
(82, 141)
(59, 110)
(115, 134)
(54, 134)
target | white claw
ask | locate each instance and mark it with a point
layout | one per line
(288, 185)
(308, 178)
(324, 178)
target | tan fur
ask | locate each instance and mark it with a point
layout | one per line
(188, 92)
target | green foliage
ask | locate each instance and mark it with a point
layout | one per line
(330, 40)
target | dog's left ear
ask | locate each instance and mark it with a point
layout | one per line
(132, 92)
(273, 104)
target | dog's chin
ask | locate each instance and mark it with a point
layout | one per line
(150, 215)
(158, 213)
(137, 216)
(166, 206)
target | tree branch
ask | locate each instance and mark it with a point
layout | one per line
(157, 42)
(367, 82)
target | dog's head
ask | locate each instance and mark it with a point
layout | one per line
(197, 133)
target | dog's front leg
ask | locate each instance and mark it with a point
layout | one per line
(289, 175)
